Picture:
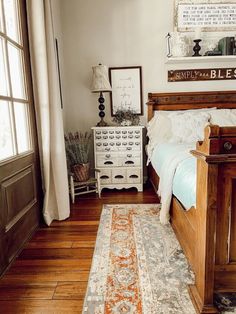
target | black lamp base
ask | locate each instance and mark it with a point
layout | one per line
(102, 123)
(101, 107)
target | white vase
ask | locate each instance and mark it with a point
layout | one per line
(179, 45)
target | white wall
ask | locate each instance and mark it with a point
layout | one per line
(117, 33)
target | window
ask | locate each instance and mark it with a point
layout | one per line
(15, 135)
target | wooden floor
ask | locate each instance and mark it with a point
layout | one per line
(51, 273)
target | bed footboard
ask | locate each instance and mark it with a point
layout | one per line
(215, 225)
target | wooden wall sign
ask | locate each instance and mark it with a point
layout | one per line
(202, 74)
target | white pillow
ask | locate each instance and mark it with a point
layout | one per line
(158, 126)
(223, 117)
(188, 127)
(158, 131)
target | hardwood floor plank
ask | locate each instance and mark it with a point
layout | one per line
(70, 290)
(41, 306)
(27, 291)
(69, 228)
(38, 270)
(56, 253)
(49, 244)
(33, 278)
(75, 223)
(68, 237)
(80, 244)
(62, 264)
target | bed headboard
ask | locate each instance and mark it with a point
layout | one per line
(190, 100)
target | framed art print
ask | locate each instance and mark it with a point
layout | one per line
(126, 83)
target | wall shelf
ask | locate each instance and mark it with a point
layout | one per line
(203, 59)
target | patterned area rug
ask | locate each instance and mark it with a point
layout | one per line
(138, 266)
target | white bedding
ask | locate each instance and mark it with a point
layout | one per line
(184, 128)
(165, 165)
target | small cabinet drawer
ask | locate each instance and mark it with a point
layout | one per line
(129, 160)
(118, 176)
(133, 175)
(106, 160)
(105, 176)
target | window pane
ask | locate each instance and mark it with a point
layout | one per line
(22, 127)
(1, 20)
(11, 17)
(6, 142)
(16, 71)
(3, 72)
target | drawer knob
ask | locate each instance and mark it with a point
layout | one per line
(107, 155)
(228, 146)
(129, 155)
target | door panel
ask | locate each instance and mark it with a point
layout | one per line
(20, 181)
(18, 195)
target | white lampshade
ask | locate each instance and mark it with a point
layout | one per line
(100, 81)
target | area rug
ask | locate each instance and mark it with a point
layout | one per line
(138, 266)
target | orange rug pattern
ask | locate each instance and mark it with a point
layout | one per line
(123, 291)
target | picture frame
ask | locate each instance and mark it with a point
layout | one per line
(126, 83)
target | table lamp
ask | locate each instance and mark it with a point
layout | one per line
(101, 84)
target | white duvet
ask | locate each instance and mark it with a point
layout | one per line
(166, 170)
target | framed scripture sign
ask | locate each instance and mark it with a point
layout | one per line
(126, 83)
(209, 15)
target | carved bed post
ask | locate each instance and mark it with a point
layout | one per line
(213, 156)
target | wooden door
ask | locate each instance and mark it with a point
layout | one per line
(19, 163)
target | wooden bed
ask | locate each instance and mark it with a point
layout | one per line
(207, 233)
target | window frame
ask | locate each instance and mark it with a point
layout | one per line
(23, 46)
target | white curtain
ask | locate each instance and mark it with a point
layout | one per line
(48, 111)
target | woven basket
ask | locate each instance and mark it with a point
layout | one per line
(81, 172)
